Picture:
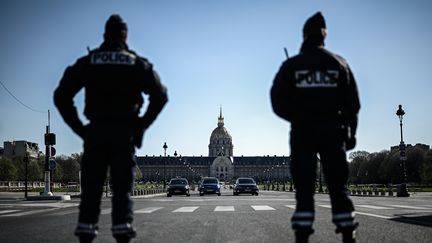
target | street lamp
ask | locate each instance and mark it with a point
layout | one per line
(164, 179)
(402, 190)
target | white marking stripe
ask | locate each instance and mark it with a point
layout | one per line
(29, 212)
(374, 215)
(262, 207)
(373, 207)
(8, 211)
(325, 206)
(409, 207)
(291, 206)
(105, 211)
(185, 210)
(224, 209)
(147, 210)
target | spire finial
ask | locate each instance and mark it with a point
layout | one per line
(220, 119)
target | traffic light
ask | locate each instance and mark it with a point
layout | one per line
(50, 139)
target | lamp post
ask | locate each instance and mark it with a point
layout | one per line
(320, 189)
(164, 179)
(402, 189)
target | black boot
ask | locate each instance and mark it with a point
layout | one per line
(123, 233)
(86, 232)
(348, 234)
(302, 235)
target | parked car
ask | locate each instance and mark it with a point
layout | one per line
(178, 186)
(209, 185)
(245, 185)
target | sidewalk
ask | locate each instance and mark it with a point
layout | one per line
(19, 196)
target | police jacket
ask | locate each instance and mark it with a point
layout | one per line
(315, 84)
(114, 79)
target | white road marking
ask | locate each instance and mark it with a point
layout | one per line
(409, 207)
(185, 210)
(224, 209)
(324, 206)
(8, 211)
(291, 206)
(374, 215)
(29, 212)
(262, 208)
(105, 211)
(372, 206)
(148, 210)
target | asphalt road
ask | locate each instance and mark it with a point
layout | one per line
(263, 218)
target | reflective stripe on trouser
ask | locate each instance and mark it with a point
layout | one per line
(344, 220)
(302, 219)
(125, 229)
(86, 229)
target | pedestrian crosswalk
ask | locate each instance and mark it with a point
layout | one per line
(73, 209)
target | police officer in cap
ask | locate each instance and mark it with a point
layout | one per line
(114, 79)
(316, 92)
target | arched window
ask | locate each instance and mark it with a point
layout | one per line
(226, 168)
(217, 168)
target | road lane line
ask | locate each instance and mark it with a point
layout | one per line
(325, 205)
(372, 206)
(8, 211)
(262, 208)
(291, 206)
(148, 210)
(374, 215)
(410, 207)
(106, 211)
(224, 209)
(29, 212)
(185, 210)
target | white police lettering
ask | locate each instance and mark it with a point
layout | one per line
(316, 79)
(110, 57)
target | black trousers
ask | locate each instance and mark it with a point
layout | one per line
(107, 145)
(307, 140)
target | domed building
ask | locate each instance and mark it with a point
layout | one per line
(220, 140)
(220, 163)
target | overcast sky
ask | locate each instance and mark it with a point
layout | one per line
(220, 53)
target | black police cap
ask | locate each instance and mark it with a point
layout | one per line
(314, 25)
(115, 27)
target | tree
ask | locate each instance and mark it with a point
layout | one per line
(138, 173)
(8, 171)
(426, 167)
(34, 171)
(70, 167)
(358, 160)
(415, 158)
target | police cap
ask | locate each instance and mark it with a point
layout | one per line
(115, 28)
(315, 25)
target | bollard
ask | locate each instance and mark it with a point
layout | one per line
(390, 192)
(376, 193)
(382, 193)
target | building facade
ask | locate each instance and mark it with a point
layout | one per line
(220, 163)
(20, 149)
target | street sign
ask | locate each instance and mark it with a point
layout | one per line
(53, 151)
(402, 147)
(52, 164)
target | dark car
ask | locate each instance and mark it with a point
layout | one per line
(178, 186)
(209, 185)
(245, 185)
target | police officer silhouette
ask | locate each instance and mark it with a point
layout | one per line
(316, 92)
(115, 79)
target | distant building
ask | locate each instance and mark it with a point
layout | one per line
(20, 149)
(220, 163)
